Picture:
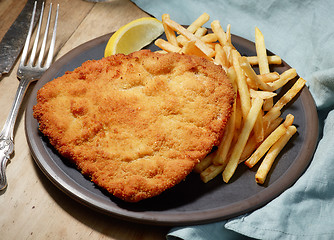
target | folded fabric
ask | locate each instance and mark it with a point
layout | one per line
(212, 231)
(301, 33)
(322, 88)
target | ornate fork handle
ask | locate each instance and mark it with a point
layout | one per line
(6, 149)
(6, 135)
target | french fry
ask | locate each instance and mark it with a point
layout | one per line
(268, 104)
(200, 21)
(288, 120)
(190, 48)
(220, 57)
(200, 32)
(269, 77)
(258, 128)
(228, 34)
(242, 139)
(170, 34)
(273, 125)
(161, 51)
(168, 47)
(238, 113)
(249, 148)
(201, 45)
(252, 144)
(254, 60)
(271, 116)
(211, 45)
(209, 38)
(181, 40)
(261, 94)
(221, 156)
(261, 52)
(211, 172)
(284, 78)
(251, 84)
(244, 64)
(227, 50)
(218, 30)
(204, 163)
(269, 159)
(265, 145)
(289, 95)
(242, 85)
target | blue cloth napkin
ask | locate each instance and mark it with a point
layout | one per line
(302, 33)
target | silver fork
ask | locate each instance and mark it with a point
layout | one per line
(28, 72)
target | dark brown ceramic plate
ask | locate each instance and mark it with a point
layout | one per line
(190, 202)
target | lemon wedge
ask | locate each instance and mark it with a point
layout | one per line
(134, 36)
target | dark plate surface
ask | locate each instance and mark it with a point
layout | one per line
(192, 201)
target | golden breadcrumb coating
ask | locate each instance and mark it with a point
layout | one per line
(136, 124)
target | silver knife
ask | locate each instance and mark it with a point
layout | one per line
(12, 43)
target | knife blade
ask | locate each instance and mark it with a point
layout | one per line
(12, 43)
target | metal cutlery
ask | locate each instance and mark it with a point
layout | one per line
(29, 70)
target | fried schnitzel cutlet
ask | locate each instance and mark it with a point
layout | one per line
(136, 124)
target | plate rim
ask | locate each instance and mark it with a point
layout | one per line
(192, 217)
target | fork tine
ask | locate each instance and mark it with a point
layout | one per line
(34, 49)
(53, 40)
(26, 45)
(41, 54)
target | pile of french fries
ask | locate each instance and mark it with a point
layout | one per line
(255, 131)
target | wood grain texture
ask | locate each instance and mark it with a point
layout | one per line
(32, 207)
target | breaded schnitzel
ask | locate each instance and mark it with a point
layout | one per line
(136, 124)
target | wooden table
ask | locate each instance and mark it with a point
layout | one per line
(32, 207)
